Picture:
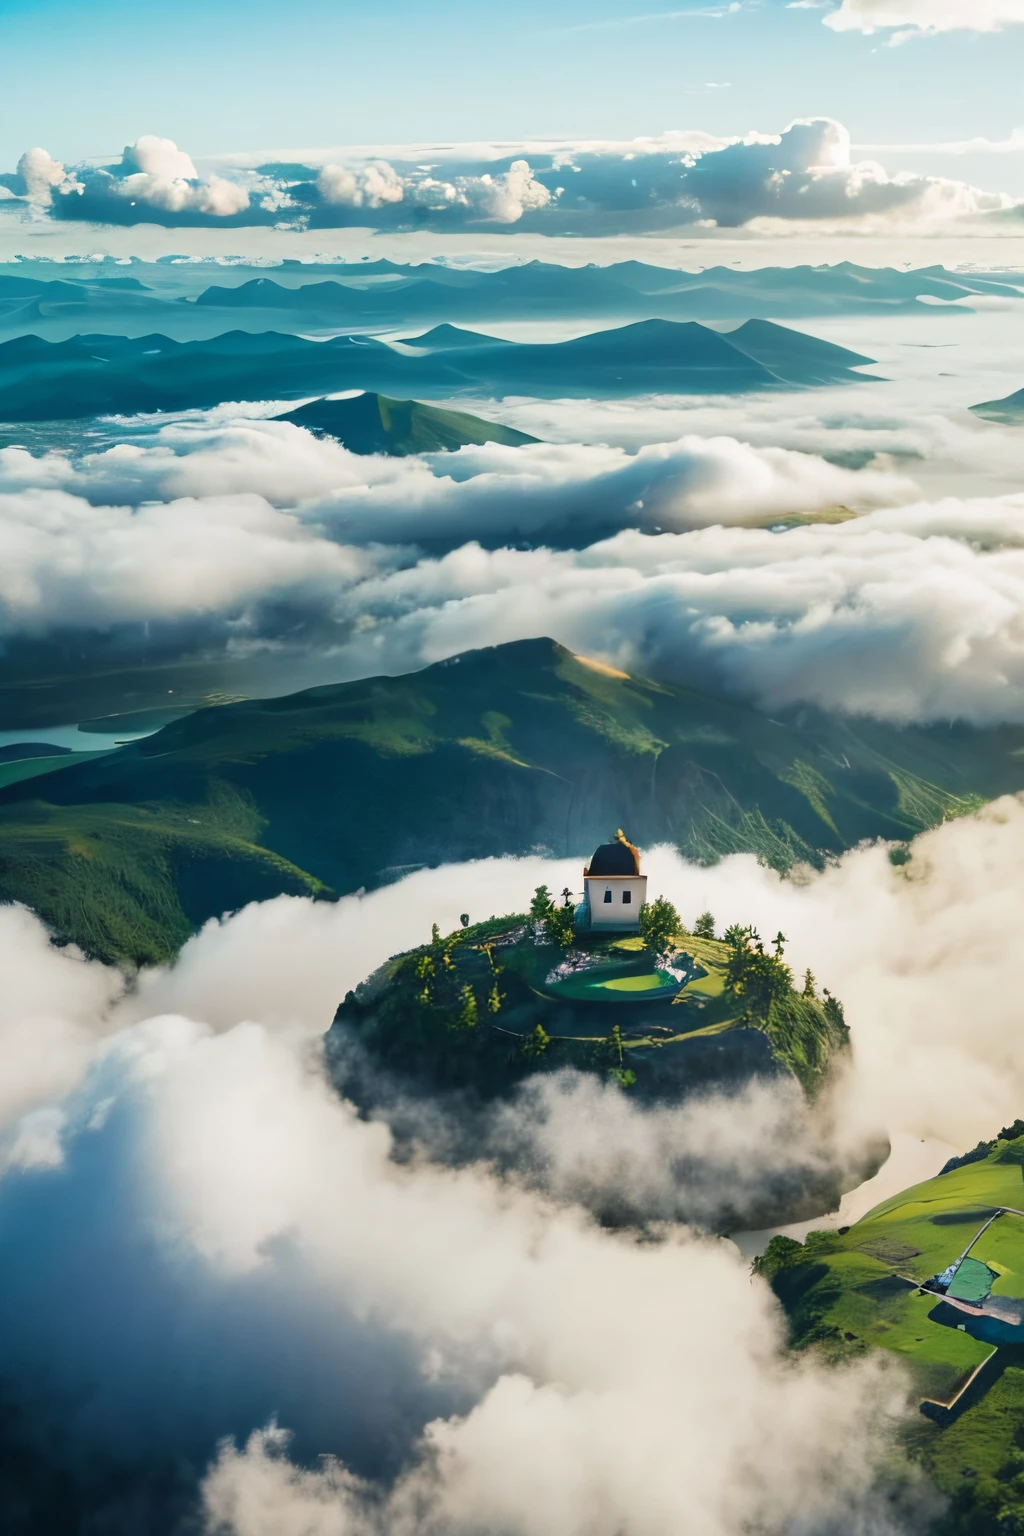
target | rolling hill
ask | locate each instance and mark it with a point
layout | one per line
(498, 751)
(370, 423)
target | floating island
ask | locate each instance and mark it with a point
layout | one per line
(612, 984)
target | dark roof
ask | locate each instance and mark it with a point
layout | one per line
(618, 858)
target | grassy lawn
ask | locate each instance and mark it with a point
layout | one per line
(711, 985)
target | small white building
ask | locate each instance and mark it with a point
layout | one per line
(614, 887)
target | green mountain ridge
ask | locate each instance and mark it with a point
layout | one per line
(499, 751)
(371, 423)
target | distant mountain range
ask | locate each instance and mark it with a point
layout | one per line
(498, 751)
(95, 375)
(179, 301)
(370, 423)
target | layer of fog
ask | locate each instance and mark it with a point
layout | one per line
(804, 615)
(506, 1361)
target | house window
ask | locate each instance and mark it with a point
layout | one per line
(608, 896)
(627, 897)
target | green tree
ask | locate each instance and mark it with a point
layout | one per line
(810, 985)
(542, 905)
(704, 927)
(560, 922)
(659, 924)
(760, 979)
(780, 1254)
(836, 1015)
(444, 1001)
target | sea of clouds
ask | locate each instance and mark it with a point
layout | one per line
(254, 534)
(222, 1276)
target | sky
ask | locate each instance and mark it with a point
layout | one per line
(237, 77)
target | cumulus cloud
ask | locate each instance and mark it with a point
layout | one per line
(40, 175)
(153, 178)
(372, 186)
(916, 17)
(804, 175)
(502, 199)
(807, 173)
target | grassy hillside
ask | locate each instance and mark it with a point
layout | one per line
(857, 1289)
(506, 750)
(370, 423)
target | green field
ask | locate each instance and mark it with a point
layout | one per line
(496, 752)
(856, 1290)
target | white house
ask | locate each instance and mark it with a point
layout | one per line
(615, 889)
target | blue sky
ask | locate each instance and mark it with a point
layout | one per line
(225, 76)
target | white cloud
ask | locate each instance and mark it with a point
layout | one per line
(807, 173)
(41, 175)
(152, 174)
(157, 173)
(912, 612)
(502, 198)
(914, 17)
(912, 615)
(372, 186)
(52, 1004)
(506, 198)
(804, 177)
(100, 566)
